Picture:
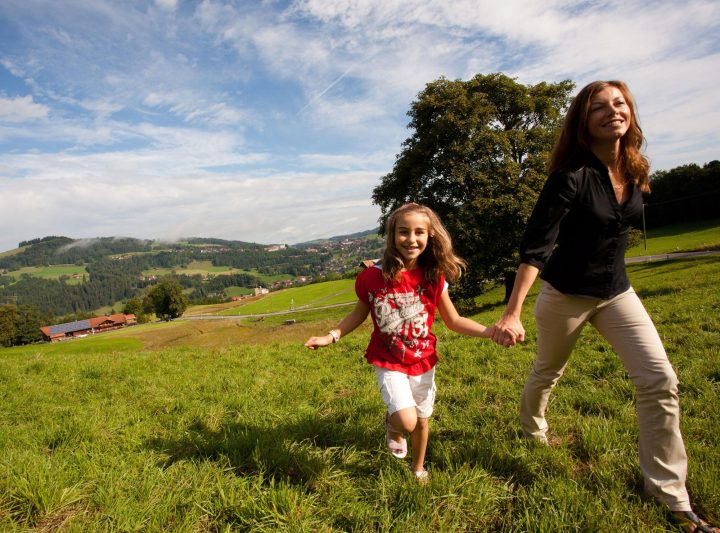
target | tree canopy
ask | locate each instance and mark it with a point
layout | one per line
(477, 156)
(166, 299)
(20, 324)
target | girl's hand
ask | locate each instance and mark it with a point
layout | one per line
(508, 331)
(318, 342)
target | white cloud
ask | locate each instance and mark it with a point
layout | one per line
(240, 207)
(21, 109)
(168, 5)
(192, 107)
(101, 107)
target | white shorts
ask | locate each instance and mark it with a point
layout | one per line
(400, 391)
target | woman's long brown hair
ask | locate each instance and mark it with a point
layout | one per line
(573, 145)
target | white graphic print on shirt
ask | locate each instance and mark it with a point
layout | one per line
(403, 318)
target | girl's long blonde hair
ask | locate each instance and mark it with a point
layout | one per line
(437, 258)
(573, 145)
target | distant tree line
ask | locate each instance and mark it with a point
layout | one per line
(236, 254)
(683, 194)
(39, 240)
(291, 261)
(63, 250)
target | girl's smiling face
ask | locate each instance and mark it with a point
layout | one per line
(412, 231)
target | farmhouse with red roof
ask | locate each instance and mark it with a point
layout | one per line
(90, 326)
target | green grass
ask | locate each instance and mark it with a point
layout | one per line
(307, 296)
(103, 434)
(117, 307)
(691, 236)
(238, 291)
(14, 251)
(52, 272)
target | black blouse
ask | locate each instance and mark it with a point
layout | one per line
(577, 233)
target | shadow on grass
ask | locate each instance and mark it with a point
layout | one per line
(298, 451)
(472, 308)
(671, 265)
(659, 291)
(506, 455)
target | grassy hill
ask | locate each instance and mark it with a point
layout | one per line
(232, 425)
(308, 296)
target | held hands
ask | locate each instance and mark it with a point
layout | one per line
(508, 331)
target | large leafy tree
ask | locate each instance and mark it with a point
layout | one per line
(166, 299)
(20, 324)
(477, 156)
(9, 318)
(30, 320)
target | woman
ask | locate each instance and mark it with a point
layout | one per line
(576, 239)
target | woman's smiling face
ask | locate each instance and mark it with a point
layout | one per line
(609, 115)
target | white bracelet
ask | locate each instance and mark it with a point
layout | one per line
(334, 334)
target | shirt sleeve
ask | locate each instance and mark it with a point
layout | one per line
(554, 202)
(441, 287)
(361, 287)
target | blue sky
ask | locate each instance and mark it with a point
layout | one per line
(272, 121)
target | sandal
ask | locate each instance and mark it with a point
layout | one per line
(397, 449)
(692, 523)
(421, 476)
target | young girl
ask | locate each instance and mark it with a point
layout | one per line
(401, 295)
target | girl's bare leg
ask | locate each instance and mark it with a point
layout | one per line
(419, 441)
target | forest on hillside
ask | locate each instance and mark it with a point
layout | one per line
(115, 265)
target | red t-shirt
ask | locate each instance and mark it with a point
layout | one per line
(403, 312)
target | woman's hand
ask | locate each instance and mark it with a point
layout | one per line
(508, 331)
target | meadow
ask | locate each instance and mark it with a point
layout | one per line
(687, 237)
(232, 425)
(52, 272)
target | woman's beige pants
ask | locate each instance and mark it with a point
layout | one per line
(623, 321)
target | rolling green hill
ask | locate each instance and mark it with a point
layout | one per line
(309, 296)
